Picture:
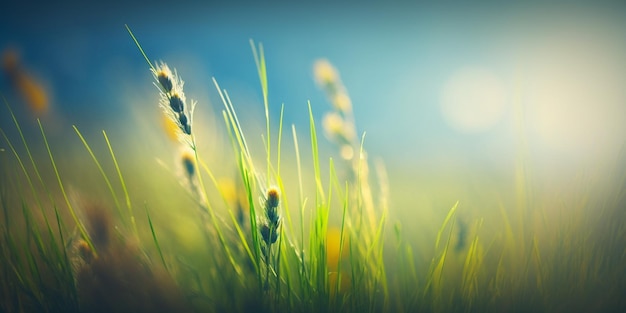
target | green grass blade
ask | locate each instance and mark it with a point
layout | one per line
(143, 53)
(238, 229)
(156, 240)
(209, 208)
(80, 226)
(436, 271)
(259, 60)
(280, 138)
(445, 222)
(28, 151)
(316, 161)
(99, 166)
(256, 243)
(123, 183)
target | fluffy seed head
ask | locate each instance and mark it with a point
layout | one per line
(337, 128)
(346, 151)
(173, 100)
(164, 77)
(186, 129)
(271, 207)
(324, 72)
(272, 199)
(333, 124)
(85, 251)
(183, 119)
(341, 101)
(165, 81)
(177, 103)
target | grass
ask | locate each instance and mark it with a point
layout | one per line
(332, 253)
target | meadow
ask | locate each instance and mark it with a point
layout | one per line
(247, 214)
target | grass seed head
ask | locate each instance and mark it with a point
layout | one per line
(269, 235)
(164, 77)
(177, 103)
(173, 100)
(165, 81)
(187, 129)
(338, 129)
(100, 225)
(184, 124)
(84, 251)
(272, 199)
(327, 78)
(273, 217)
(271, 206)
(325, 73)
(341, 102)
(189, 164)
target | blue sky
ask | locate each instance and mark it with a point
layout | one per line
(397, 61)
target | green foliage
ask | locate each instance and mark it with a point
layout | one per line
(510, 267)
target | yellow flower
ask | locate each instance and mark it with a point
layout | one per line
(27, 85)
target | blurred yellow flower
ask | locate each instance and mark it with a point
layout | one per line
(170, 127)
(235, 197)
(29, 88)
(334, 252)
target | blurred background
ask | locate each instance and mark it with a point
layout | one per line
(458, 100)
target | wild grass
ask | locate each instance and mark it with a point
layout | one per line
(295, 236)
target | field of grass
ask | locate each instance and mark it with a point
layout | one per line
(264, 222)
